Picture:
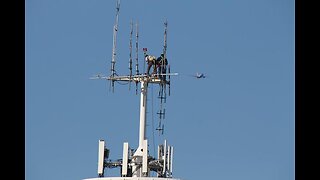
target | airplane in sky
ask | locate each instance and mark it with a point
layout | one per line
(199, 75)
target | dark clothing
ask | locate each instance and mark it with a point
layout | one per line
(162, 65)
(160, 60)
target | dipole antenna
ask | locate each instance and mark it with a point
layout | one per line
(130, 54)
(165, 51)
(165, 40)
(137, 55)
(162, 91)
(115, 30)
(163, 69)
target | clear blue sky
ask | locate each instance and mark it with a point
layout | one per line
(237, 124)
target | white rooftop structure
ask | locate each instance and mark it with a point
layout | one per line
(131, 178)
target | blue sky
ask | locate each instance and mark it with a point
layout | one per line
(236, 124)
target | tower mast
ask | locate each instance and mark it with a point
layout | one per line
(136, 163)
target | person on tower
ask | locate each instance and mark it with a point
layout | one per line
(151, 61)
(162, 63)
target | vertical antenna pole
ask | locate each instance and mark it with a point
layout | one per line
(115, 30)
(130, 54)
(165, 50)
(165, 41)
(137, 51)
(163, 86)
(162, 90)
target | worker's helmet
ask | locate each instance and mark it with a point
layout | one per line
(162, 55)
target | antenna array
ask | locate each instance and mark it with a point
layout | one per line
(162, 90)
(138, 162)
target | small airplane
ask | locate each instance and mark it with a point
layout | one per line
(199, 75)
(98, 76)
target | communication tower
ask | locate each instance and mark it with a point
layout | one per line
(137, 164)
